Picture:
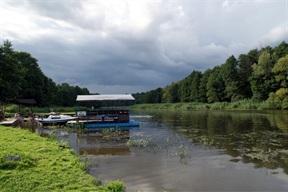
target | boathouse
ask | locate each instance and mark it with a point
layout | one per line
(105, 111)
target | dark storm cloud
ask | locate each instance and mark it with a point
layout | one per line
(119, 47)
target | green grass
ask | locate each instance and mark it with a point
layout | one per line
(13, 108)
(239, 105)
(29, 162)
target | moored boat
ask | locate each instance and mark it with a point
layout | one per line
(56, 119)
(10, 122)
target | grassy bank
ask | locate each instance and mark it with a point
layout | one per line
(13, 108)
(29, 162)
(239, 105)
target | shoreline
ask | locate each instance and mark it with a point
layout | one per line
(243, 105)
(29, 162)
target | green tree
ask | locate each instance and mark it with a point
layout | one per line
(231, 79)
(153, 96)
(9, 73)
(189, 87)
(251, 76)
(171, 93)
(245, 63)
(203, 86)
(49, 92)
(215, 86)
(32, 83)
(185, 89)
(195, 83)
(21, 77)
(262, 81)
(66, 94)
(280, 51)
(253, 55)
(280, 70)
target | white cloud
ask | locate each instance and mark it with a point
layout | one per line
(277, 34)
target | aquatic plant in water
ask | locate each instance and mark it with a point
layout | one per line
(182, 152)
(139, 142)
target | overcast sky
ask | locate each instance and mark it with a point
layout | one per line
(113, 46)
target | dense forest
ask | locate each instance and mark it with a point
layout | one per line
(22, 78)
(258, 75)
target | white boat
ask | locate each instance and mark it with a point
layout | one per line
(8, 122)
(56, 119)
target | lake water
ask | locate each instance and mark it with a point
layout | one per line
(191, 151)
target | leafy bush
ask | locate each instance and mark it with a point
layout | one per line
(282, 93)
(285, 104)
(115, 186)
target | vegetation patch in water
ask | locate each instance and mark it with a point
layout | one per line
(139, 142)
(29, 162)
(264, 149)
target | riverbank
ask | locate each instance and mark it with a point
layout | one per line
(239, 105)
(13, 108)
(29, 162)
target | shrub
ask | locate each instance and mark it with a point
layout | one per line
(115, 186)
(285, 103)
(282, 93)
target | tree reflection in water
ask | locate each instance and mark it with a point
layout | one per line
(260, 138)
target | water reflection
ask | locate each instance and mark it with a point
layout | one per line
(253, 137)
(109, 144)
(91, 143)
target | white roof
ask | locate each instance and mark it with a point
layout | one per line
(126, 97)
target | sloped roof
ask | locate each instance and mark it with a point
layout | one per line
(121, 97)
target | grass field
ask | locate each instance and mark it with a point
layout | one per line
(29, 162)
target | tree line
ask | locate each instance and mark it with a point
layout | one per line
(21, 77)
(259, 75)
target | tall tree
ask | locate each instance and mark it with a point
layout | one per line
(215, 86)
(262, 82)
(280, 69)
(32, 84)
(245, 63)
(185, 89)
(21, 77)
(280, 51)
(203, 86)
(189, 87)
(251, 76)
(9, 73)
(231, 79)
(195, 82)
(153, 96)
(171, 93)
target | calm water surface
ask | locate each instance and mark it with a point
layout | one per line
(195, 151)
